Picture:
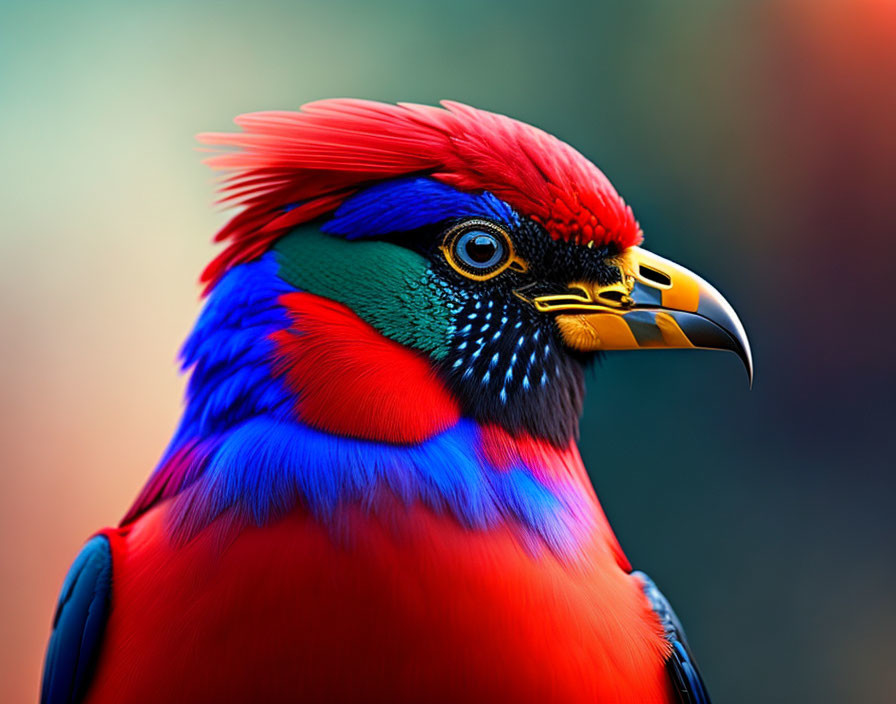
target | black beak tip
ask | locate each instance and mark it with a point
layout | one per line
(748, 364)
(742, 350)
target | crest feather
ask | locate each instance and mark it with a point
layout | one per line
(323, 153)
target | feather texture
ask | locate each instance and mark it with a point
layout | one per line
(400, 604)
(78, 625)
(322, 154)
(295, 401)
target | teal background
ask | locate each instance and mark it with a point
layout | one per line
(756, 144)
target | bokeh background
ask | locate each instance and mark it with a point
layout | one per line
(756, 141)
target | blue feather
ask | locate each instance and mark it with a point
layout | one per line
(681, 665)
(264, 467)
(407, 204)
(78, 625)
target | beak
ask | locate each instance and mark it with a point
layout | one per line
(657, 304)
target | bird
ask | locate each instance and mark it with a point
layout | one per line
(375, 493)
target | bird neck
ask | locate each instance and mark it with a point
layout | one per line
(294, 403)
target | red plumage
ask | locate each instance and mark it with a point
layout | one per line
(548, 462)
(323, 153)
(407, 606)
(351, 380)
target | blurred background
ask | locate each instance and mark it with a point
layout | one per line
(756, 142)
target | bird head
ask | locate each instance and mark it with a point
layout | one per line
(439, 263)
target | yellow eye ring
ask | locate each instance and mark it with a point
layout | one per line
(480, 250)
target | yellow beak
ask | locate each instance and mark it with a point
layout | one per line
(657, 304)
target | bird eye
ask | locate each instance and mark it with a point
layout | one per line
(479, 249)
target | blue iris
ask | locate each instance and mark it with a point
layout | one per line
(479, 250)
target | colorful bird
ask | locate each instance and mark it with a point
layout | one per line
(375, 492)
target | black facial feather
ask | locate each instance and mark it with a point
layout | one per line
(507, 368)
(506, 362)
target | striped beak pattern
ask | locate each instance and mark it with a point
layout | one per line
(656, 304)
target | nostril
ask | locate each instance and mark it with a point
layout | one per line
(657, 277)
(614, 296)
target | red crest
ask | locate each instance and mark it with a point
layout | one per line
(319, 156)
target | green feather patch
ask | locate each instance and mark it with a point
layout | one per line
(386, 285)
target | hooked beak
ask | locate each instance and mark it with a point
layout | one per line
(657, 304)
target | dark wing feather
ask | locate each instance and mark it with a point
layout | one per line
(681, 664)
(78, 625)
